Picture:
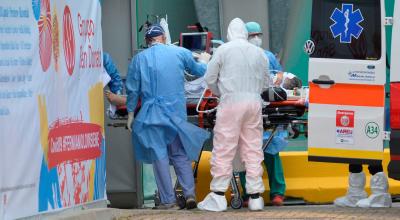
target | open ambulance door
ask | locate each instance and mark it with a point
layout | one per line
(347, 73)
(394, 165)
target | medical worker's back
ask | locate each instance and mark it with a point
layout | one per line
(156, 76)
(160, 70)
(242, 68)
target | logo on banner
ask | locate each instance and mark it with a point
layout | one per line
(73, 142)
(347, 23)
(68, 40)
(344, 127)
(45, 38)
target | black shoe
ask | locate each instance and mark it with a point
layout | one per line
(191, 202)
(171, 206)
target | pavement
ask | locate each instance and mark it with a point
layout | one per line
(285, 212)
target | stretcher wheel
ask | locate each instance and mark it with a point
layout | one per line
(181, 200)
(236, 203)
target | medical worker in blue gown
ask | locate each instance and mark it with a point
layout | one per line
(160, 132)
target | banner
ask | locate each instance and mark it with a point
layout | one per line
(52, 147)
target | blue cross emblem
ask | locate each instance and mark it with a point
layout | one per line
(347, 23)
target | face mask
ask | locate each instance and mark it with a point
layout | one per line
(256, 41)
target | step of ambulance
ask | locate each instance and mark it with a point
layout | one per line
(313, 182)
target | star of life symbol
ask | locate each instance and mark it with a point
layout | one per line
(347, 23)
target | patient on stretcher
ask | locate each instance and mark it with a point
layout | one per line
(193, 91)
(288, 82)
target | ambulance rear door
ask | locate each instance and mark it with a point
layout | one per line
(346, 77)
(394, 165)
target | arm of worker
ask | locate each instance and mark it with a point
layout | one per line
(278, 79)
(274, 66)
(117, 100)
(132, 89)
(212, 74)
(196, 68)
(115, 83)
(267, 74)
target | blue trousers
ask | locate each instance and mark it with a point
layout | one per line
(183, 169)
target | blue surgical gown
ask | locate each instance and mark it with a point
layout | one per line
(278, 142)
(156, 76)
(274, 65)
(115, 83)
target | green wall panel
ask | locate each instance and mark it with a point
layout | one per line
(181, 13)
(294, 58)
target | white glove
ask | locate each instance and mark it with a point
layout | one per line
(130, 120)
(195, 55)
(204, 57)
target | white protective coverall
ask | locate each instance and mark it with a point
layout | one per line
(238, 73)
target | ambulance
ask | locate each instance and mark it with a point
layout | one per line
(347, 75)
(394, 165)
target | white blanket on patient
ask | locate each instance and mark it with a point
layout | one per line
(194, 89)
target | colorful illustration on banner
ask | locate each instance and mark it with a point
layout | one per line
(45, 38)
(36, 9)
(344, 127)
(346, 23)
(56, 40)
(60, 163)
(73, 165)
(68, 41)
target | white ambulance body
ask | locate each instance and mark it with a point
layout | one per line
(347, 74)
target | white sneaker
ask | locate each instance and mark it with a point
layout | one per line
(214, 203)
(256, 204)
(355, 191)
(379, 198)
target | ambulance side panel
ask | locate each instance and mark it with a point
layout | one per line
(347, 77)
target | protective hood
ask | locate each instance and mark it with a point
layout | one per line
(237, 30)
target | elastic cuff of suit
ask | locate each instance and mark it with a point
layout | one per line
(255, 195)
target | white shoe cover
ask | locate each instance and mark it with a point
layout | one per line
(355, 192)
(379, 198)
(214, 203)
(256, 204)
(382, 200)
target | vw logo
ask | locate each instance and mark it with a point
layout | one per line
(309, 47)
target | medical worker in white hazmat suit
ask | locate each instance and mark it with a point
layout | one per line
(238, 73)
